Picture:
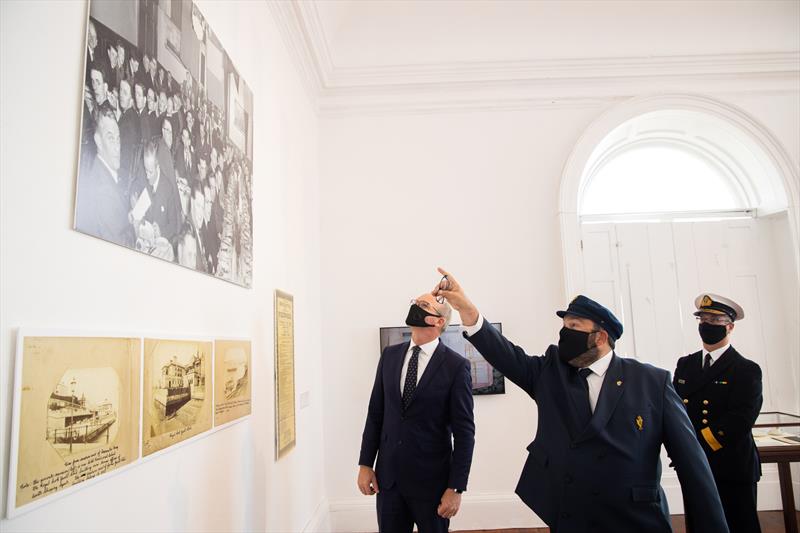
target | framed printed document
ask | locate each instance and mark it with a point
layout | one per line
(284, 374)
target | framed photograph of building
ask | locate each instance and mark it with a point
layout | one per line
(177, 392)
(485, 378)
(233, 377)
(166, 148)
(75, 415)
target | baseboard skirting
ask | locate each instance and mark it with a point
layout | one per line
(501, 510)
(320, 521)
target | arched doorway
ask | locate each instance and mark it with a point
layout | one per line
(666, 197)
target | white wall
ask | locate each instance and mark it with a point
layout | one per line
(55, 277)
(477, 193)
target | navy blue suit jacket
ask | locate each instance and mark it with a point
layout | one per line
(427, 448)
(606, 475)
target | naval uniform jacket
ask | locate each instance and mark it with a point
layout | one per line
(723, 404)
(604, 476)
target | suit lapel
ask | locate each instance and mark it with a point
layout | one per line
(721, 365)
(437, 358)
(563, 399)
(395, 370)
(610, 393)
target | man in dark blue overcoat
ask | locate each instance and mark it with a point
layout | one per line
(594, 464)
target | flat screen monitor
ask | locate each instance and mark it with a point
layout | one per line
(485, 378)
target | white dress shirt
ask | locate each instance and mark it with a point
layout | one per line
(716, 354)
(598, 368)
(425, 353)
(595, 379)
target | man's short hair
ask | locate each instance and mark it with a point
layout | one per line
(106, 111)
(151, 148)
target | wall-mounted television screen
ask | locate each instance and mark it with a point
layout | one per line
(485, 378)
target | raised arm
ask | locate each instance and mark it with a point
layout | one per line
(502, 354)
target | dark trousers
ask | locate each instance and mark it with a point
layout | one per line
(739, 504)
(397, 513)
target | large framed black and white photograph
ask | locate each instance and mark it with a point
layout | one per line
(486, 379)
(166, 151)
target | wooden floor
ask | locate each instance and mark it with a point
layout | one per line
(771, 522)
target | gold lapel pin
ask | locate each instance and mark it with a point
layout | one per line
(639, 422)
(619, 383)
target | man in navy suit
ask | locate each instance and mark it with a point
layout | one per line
(594, 464)
(420, 425)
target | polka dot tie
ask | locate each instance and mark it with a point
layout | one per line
(411, 377)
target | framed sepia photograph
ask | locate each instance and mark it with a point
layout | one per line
(177, 393)
(233, 378)
(485, 378)
(75, 415)
(166, 150)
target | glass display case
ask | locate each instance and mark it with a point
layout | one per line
(776, 429)
(777, 437)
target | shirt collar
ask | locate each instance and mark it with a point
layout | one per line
(427, 348)
(716, 354)
(600, 366)
(110, 170)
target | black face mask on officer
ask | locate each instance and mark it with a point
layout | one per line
(711, 333)
(416, 317)
(572, 343)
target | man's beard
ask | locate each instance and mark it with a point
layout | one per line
(586, 358)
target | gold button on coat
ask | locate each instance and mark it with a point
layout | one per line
(705, 421)
(705, 412)
(705, 402)
(685, 400)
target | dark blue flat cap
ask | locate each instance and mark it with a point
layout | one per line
(587, 308)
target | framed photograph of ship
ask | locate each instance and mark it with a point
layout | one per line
(177, 392)
(76, 413)
(166, 149)
(232, 380)
(485, 378)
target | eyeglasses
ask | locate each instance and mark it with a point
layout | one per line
(444, 285)
(714, 320)
(425, 305)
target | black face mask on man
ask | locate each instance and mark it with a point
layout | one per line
(572, 343)
(416, 317)
(712, 334)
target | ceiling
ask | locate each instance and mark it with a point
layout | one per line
(366, 49)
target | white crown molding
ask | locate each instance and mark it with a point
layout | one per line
(543, 94)
(548, 83)
(563, 69)
(317, 41)
(292, 28)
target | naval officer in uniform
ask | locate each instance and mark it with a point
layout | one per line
(721, 391)
(594, 464)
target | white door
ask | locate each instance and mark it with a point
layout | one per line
(648, 274)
